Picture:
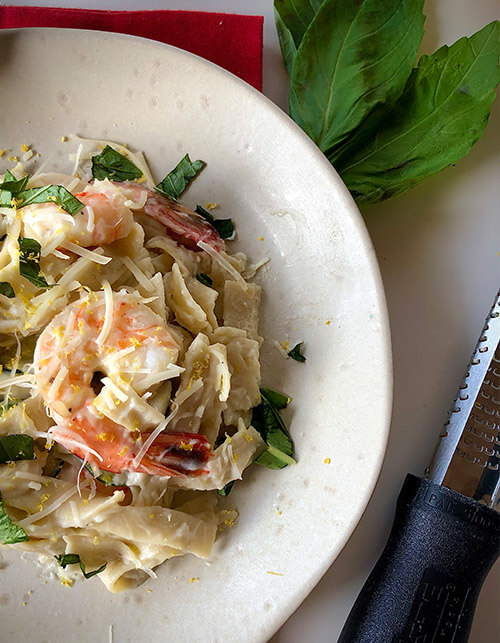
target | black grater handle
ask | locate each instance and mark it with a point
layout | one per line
(425, 585)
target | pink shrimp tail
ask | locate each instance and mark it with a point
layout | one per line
(182, 224)
(176, 454)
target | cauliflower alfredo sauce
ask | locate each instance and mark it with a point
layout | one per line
(130, 385)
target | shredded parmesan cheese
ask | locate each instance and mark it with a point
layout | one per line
(144, 281)
(223, 262)
(94, 255)
(116, 390)
(78, 154)
(108, 315)
(48, 510)
(161, 427)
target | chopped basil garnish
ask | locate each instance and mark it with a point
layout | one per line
(267, 421)
(6, 289)
(9, 187)
(74, 559)
(176, 181)
(29, 262)
(204, 279)
(6, 406)
(49, 194)
(112, 165)
(226, 489)
(13, 185)
(107, 477)
(16, 447)
(10, 533)
(296, 354)
(278, 400)
(53, 466)
(225, 227)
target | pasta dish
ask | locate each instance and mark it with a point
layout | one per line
(130, 386)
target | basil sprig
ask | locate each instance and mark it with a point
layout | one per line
(29, 262)
(176, 181)
(353, 58)
(267, 421)
(296, 353)
(112, 165)
(10, 533)
(74, 559)
(16, 447)
(384, 124)
(225, 227)
(442, 112)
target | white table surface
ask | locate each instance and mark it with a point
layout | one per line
(438, 247)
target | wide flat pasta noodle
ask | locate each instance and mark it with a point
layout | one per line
(203, 390)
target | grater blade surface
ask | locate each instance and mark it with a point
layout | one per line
(467, 458)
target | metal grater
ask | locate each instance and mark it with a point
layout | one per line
(467, 459)
(446, 531)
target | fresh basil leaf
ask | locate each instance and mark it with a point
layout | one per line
(273, 458)
(205, 214)
(296, 354)
(9, 404)
(10, 533)
(204, 279)
(30, 249)
(441, 114)
(67, 559)
(5, 194)
(278, 400)
(50, 194)
(29, 262)
(8, 176)
(6, 289)
(176, 181)
(112, 165)
(267, 421)
(74, 559)
(108, 478)
(276, 433)
(16, 447)
(13, 185)
(224, 227)
(353, 63)
(292, 20)
(226, 489)
(5, 199)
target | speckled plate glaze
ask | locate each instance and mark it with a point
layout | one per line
(322, 286)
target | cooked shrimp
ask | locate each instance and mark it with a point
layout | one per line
(118, 336)
(105, 218)
(182, 224)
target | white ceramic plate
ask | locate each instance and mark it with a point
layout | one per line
(322, 286)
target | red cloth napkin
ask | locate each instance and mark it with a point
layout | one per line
(231, 41)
